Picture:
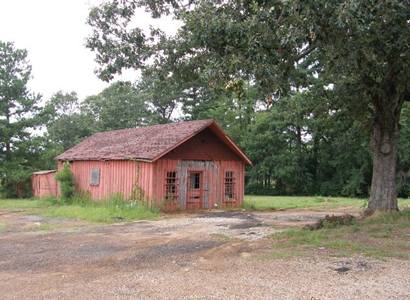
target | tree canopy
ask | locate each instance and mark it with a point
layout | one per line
(314, 91)
(18, 115)
(357, 50)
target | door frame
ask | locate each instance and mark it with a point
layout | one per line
(197, 192)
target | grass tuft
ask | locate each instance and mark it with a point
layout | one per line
(292, 202)
(379, 236)
(113, 209)
(2, 227)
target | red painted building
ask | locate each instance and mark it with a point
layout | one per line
(186, 165)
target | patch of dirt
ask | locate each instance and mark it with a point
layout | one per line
(332, 220)
(221, 255)
(16, 222)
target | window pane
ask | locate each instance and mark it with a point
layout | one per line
(195, 180)
(95, 177)
(171, 186)
(229, 185)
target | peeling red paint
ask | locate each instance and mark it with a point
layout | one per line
(205, 151)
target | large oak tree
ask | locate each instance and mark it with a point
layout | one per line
(358, 49)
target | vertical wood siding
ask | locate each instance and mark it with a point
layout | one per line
(213, 176)
(204, 146)
(116, 176)
(44, 185)
(204, 153)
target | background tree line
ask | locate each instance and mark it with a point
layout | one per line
(284, 79)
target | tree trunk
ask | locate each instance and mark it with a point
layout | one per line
(7, 138)
(383, 194)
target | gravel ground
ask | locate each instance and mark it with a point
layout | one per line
(218, 255)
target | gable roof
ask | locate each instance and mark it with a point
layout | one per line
(145, 143)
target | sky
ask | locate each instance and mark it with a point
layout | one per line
(54, 34)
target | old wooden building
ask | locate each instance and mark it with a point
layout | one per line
(186, 165)
(43, 184)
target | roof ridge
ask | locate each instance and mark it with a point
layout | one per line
(153, 125)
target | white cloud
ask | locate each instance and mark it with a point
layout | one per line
(54, 33)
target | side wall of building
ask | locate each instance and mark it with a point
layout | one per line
(44, 185)
(116, 176)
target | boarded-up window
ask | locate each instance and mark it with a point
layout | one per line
(229, 185)
(95, 177)
(171, 186)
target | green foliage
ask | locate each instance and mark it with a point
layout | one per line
(118, 106)
(286, 202)
(66, 180)
(327, 71)
(378, 236)
(297, 84)
(66, 123)
(403, 173)
(289, 202)
(113, 209)
(18, 116)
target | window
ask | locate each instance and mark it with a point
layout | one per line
(95, 177)
(229, 185)
(171, 186)
(195, 180)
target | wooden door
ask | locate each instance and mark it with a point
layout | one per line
(195, 190)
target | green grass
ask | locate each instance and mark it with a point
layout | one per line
(100, 213)
(17, 204)
(380, 236)
(109, 211)
(291, 202)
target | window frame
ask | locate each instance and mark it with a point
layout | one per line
(171, 185)
(92, 176)
(229, 185)
(195, 180)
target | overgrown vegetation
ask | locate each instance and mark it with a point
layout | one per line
(252, 202)
(288, 202)
(377, 236)
(66, 180)
(113, 209)
(286, 79)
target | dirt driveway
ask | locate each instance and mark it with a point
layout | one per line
(216, 255)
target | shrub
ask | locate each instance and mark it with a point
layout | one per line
(66, 180)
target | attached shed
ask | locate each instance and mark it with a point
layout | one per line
(185, 165)
(43, 184)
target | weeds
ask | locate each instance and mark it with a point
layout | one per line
(280, 202)
(112, 209)
(377, 236)
(302, 202)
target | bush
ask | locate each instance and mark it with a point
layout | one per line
(66, 180)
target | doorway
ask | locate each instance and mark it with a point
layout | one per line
(195, 190)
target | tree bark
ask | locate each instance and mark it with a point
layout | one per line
(383, 194)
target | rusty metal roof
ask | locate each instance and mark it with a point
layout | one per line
(134, 143)
(144, 143)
